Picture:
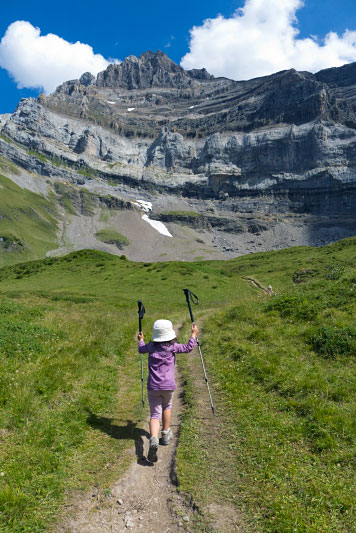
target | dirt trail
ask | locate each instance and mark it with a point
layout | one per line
(144, 499)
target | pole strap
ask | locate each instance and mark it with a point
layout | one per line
(191, 296)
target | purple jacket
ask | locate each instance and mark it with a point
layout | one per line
(161, 361)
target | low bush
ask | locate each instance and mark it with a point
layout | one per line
(300, 306)
(300, 276)
(330, 342)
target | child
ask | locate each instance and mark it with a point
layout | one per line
(161, 383)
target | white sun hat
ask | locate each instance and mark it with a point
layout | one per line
(163, 331)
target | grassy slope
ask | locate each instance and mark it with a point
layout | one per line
(284, 371)
(70, 376)
(111, 236)
(68, 364)
(27, 222)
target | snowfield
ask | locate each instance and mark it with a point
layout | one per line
(157, 225)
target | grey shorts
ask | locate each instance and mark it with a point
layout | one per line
(159, 401)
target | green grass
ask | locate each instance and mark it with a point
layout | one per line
(39, 156)
(58, 162)
(75, 200)
(291, 418)
(111, 236)
(70, 376)
(61, 377)
(8, 167)
(282, 370)
(6, 139)
(28, 221)
(183, 213)
(88, 172)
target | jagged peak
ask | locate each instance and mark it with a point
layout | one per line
(150, 69)
(156, 60)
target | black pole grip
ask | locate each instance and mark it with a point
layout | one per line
(141, 312)
(186, 292)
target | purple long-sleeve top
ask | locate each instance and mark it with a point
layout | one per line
(161, 362)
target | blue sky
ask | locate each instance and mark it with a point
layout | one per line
(116, 29)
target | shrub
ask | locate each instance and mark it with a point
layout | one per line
(237, 353)
(334, 272)
(303, 275)
(330, 342)
(297, 305)
(341, 293)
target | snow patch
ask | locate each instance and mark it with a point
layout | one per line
(157, 225)
(146, 206)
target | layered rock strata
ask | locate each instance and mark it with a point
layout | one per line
(281, 145)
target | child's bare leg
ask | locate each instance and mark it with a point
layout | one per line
(155, 427)
(166, 422)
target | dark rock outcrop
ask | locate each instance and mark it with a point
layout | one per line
(86, 79)
(338, 76)
(209, 222)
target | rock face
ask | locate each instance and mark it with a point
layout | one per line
(280, 145)
(145, 72)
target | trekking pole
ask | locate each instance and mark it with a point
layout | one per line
(141, 312)
(190, 297)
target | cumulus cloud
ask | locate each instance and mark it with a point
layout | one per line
(46, 61)
(262, 38)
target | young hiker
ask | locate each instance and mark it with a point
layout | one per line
(161, 383)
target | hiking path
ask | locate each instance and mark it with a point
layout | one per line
(144, 499)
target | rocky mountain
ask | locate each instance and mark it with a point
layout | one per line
(229, 167)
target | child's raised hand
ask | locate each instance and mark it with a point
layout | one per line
(195, 330)
(140, 336)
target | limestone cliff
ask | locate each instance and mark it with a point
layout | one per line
(279, 146)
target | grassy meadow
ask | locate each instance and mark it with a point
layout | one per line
(28, 224)
(281, 367)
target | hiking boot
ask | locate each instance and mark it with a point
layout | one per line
(167, 436)
(152, 452)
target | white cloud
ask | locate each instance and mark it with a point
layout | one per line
(45, 61)
(262, 38)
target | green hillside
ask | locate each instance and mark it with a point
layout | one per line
(28, 222)
(282, 369)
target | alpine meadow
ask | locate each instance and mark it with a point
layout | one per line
(282, 369)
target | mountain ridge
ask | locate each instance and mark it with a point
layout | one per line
(280, 149)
